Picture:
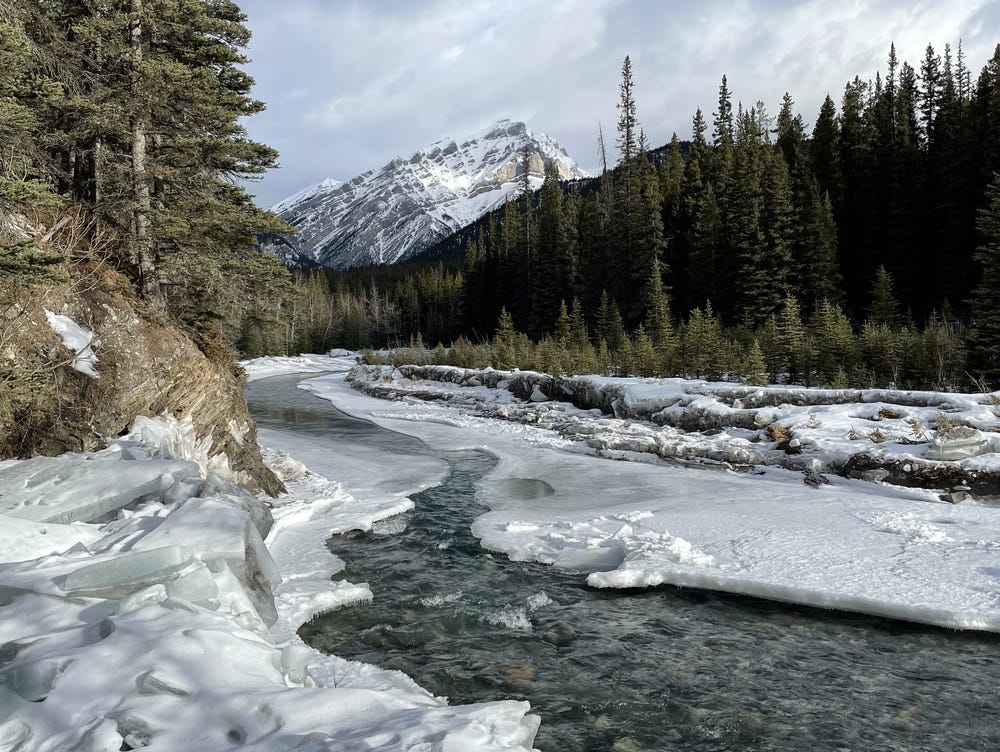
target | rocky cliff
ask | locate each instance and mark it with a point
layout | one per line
(144, 366)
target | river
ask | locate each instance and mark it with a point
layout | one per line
(658, 669)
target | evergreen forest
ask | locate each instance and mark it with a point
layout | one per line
(122, 144)
(860, 251)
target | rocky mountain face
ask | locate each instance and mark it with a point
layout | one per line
(390, 214)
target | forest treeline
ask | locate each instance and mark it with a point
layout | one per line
(121, 142)
(862, 251)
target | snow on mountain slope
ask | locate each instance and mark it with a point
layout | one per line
(394, 212)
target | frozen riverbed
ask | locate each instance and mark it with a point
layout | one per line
(851, 545)
(651, 669)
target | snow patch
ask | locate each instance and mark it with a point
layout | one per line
(78, 340)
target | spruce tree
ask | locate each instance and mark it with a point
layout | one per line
(824, 151)
(626, 206)
(25, 93)
(647, 268)
(884, 308)
(791, 341)
(628, 145)
(149, 136)
(751, 287)
(985, 305)
(552, 276)
(702, 354)
(608, 326)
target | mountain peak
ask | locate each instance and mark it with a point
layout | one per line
(389, 214)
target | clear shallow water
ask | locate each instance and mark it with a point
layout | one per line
(659, 669)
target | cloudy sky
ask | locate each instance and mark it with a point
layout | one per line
(351, 84)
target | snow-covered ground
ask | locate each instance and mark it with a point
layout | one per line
(857, 545)
(145, 605)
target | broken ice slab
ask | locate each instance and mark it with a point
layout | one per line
(221, 534)
(126, 573)
(65, 489)
(195, 585)
(958, 443)
(21, 539)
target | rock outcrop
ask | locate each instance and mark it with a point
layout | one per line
(144, 367)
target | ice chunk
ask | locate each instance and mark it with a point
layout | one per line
(146, 597)
(64, 489)
(196, 585)
(220, 534)
(294, 660)
(957, 443)
(21, 540)
(126, 573)
(590, 559)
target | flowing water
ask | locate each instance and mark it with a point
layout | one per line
(658, 669)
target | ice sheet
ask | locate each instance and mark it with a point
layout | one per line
(68, 489)
(22, 539)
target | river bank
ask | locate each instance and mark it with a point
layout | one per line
(149, 604)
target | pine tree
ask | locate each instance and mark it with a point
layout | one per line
(627, 122)
(985, 335)
(150, 135)
(702, 353)
(824, 151)
(24, 93)
(754, 368)
(791, 134)
(722, 122)
(504, 343)
(552, 278)
(608, 327)
(834, 340)
(473, 293)
(884, 308)
(647, 268)
(626, 206)
(646, 360)
(707, 273)
(752, 285)
(578, 327)
(563, 327)
(776, 223)
(931, 91)
(791, 341)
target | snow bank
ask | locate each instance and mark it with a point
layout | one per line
(915, 439)
(336, 360)
(173, 625)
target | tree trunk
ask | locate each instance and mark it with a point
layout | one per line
(149, 283)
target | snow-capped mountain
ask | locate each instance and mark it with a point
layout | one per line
(392, 213)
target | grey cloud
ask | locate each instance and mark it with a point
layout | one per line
(350, 85)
